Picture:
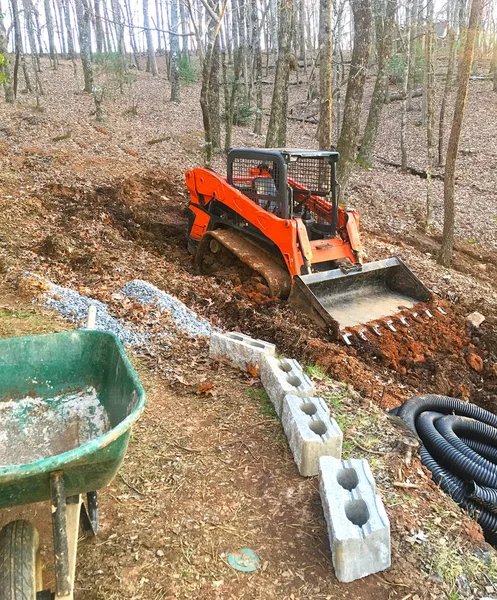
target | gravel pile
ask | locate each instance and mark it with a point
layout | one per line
(184, 318)
(74, 307)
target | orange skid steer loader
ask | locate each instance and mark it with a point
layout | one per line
(277, 212)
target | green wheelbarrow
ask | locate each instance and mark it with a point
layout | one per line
(67, 404)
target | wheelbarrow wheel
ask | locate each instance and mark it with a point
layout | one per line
(20, 567)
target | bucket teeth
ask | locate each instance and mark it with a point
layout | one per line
(441, 310)
(390, 326)
(376, 329)
(428, 314)
(403, 320)
(346, 338)
(362, 334)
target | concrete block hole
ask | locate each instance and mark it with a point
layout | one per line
(318, 427)
(234, 336)
(285, 367)
(294, 380)
(357, 512)
(308, 408)
(239, 338)
(348, 479)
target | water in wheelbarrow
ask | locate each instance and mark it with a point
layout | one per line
(32, 429)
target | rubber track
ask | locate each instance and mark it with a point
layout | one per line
(18, 550)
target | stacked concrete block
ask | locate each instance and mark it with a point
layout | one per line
(281, 377)
(358, 526)
(310, 431)
(239, 349)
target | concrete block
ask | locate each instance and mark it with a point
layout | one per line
(240, 349)
(284, 376)
(358, 526)
(310, 431)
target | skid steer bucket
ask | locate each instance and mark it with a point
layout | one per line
(338, 299)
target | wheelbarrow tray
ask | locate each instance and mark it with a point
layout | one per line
(46, 366)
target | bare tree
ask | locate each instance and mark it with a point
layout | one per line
(384, 21)
(276, 132)
(214, 99)
(59, 19)
(83, 16)
(430, 108)
(174, 45)
(445, 256)
(99, 30)
(132, 38)
(347, 144)
(212, 33)
(184, 39)
(51, 33)
(451, 37)
(411, 59)
(5, 65)
(234, 84)
(325, 75)
(150, 41)
(256, 47)
(19, 49)
(494, 65)
(67, 21)
(30, 28)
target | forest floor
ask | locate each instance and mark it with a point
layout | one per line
(94, 205)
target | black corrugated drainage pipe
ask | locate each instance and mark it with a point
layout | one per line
(460, 449)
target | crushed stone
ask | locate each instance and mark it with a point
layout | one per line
(184, 318)
(37, 428)
(74, 306)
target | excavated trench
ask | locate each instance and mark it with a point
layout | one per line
(443, 355)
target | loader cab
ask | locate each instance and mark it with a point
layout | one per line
(290, 183)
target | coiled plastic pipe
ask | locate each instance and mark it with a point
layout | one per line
(460, 450)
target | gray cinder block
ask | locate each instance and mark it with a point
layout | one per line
(310, 431)
(280, 377)
(240, 349)
(358, 526)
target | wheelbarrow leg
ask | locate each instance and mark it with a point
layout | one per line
(65, 522)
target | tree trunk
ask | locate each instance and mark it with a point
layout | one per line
(413, 29)
(99, 30)
(67, 20)
(256, 45)
(273, 27)
(5, 67)
(445, 256)
(325, 75)
(301, 25)
(214, 100)
(212, 33)
(19, 49)
(446, 93)
(184, 40)
(276, 132)
(347, 144)
(59, 17)
(132, 38)
(119, 28)
(384, 30)
(430, 108)
(28, 19)
(494, 65)
(242, 36)
(174, 46)
(150, 41)
(51, 33)
(109, 40)
(83, 16)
